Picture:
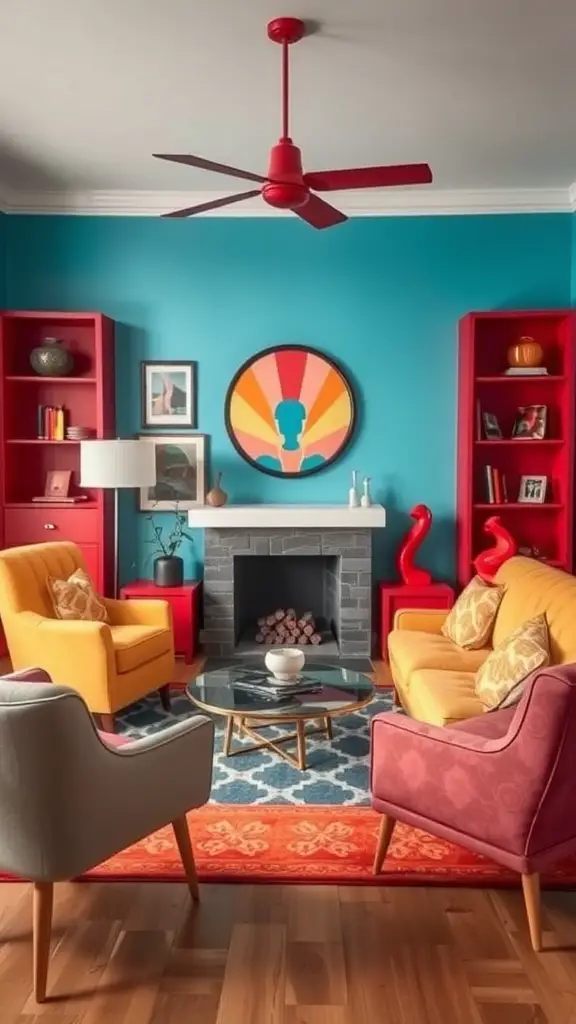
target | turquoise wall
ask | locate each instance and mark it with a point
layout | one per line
(3, 221)
(382, 295)
(573, 263)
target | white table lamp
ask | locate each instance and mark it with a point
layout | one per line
(116, 464)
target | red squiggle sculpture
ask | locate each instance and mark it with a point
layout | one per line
(488, 562)
(409, 572)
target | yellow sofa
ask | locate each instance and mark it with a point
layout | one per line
(434, 678)
(110, 665)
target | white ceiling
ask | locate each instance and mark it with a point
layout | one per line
(484, 90)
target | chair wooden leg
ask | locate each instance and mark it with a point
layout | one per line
(164, 692)
(387, 826)
(531, 889)
(180, 826)
(107, 723)
(43, 899)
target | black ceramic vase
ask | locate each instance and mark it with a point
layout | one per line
(168, 571)
(51, 359)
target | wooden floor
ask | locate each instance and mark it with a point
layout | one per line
(268, 954)
(140, 954)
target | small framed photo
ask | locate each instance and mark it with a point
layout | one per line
(180, 473)
(492, 430)
(531, 422)
(533, 489)
(57, 483)
(168, 394)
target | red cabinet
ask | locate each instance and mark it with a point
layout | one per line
(185, 604)
(48, 523)
(86, 396)
(396, 596)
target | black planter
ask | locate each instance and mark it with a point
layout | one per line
(168, 571)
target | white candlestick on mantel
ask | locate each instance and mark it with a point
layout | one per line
(266, 517)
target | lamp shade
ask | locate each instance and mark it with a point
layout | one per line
(117, 463)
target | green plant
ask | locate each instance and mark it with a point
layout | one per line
(169, 539)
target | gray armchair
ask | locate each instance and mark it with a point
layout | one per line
(68, 800)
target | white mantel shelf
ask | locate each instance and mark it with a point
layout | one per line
(266, 517)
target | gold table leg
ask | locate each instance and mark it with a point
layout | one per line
(263, 742)
(301, 743)
(228, 735)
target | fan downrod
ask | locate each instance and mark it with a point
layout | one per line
(286, 30)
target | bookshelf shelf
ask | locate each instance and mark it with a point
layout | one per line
(523, 442)
(499, 464)
(517, 506)
(529, 379)
(51, 504)
(38, 440)
(38, 379)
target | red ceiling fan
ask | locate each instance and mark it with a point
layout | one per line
(286, 186)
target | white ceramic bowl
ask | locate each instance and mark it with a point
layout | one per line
(285, 662)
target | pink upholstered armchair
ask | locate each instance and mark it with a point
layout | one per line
(501, 784)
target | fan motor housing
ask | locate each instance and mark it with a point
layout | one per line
(285, 196)
(285, 187)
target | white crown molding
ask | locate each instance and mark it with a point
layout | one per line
(386, 203)
(6, 199)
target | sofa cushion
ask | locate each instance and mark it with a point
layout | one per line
(471, 620)
(442, 698)
(137, 645)
(501, 679)
(410, 650)
(533, 588)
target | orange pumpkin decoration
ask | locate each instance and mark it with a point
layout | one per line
(526, 352)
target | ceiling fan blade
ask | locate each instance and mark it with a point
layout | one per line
(208, 165)
(320, 214)
(369, 177)
(213, 204)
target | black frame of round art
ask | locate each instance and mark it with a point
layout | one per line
(246, 366)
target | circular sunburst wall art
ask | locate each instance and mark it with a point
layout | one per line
(290, 411)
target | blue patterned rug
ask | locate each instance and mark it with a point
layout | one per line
(337, 771)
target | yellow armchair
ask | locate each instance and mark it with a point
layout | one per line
(109, 664)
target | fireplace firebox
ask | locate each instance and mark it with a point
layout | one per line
(307, 583)
(251, 571)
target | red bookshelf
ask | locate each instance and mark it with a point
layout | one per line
(87, 396)
(484, 339)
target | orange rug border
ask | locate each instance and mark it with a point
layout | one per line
(415, 858)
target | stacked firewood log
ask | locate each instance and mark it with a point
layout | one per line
(286, 628)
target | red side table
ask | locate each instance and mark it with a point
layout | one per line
(394, 596)
(185, 604)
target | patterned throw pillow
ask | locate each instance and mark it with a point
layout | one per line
(500, 680)
(75, 598)
(471, 620)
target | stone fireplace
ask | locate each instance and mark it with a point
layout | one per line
(259, 557)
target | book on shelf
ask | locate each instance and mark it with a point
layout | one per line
(50, 422)
(496, 488)
(526, 371)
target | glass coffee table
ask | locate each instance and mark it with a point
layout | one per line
(333, 691)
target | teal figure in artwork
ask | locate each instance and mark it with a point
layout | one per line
(290, 415)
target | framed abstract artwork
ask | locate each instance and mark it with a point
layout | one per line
(168, 394)
(180, 473)
(290, 411)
